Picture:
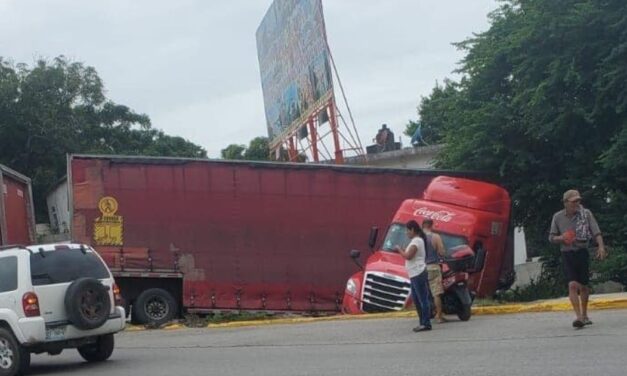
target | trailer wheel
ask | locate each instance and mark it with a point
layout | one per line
(154, 306)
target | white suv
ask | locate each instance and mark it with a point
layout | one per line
(54, 297)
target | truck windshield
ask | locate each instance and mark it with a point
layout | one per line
(397, 236)
(451, 241)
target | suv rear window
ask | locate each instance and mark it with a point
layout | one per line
(8, 274)
(65, 265)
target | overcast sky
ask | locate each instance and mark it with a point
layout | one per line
(191, 65)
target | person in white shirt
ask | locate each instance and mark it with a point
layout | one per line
(416, 266)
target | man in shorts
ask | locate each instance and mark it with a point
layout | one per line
(574, 228)
(434, 250)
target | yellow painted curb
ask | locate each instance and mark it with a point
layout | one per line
(542, 306)
(134, 328)
(301, 320)
(140, 328)
(175, 327)
(549, 306)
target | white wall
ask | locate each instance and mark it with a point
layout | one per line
(520, 246)
(58, 209)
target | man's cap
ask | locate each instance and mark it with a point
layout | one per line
(571, 195)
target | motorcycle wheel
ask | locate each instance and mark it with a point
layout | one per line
(464, 313)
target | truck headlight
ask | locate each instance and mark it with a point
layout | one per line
(351, 286)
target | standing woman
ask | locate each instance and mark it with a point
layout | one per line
(414, 256)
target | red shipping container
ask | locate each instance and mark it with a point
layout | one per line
(17, 216)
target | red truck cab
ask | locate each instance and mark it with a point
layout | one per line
(468, 215)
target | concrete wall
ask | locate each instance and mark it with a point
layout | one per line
(418, 158)
(525, 272)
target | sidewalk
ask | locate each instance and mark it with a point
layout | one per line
(597, 302)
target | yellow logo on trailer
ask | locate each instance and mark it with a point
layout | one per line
(108, 229)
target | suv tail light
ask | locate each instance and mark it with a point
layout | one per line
(117, 296)
(30, 303)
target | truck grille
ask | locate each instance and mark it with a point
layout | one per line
(384, 292)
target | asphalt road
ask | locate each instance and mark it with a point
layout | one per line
(535, 344)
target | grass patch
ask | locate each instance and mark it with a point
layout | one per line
(199, 321)
(486, 302)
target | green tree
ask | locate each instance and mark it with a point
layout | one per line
(542, 106)
(233, 151)
(258, 149)
(59, 107)
(436, 113)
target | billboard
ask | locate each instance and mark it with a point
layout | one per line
(294, 64)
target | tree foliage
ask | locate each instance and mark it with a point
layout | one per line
(258, 150)
(233, 151)
(58, 107)
(542, 105)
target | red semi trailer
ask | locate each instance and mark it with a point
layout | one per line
(224, 235)
(17, 216)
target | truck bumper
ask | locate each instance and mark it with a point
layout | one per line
(351, 305)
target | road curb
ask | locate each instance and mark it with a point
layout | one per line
(555, 305)
(549, 306)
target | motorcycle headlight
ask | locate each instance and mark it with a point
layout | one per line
(351, 286)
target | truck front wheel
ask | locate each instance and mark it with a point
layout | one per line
(155, 307)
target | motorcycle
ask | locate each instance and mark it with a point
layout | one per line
(456, 269)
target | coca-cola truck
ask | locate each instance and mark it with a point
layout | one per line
(473, 219)
(208, 235)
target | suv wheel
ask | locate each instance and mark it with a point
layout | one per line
(14, 359)
(87, 303)
(99, 351)
(154, 306)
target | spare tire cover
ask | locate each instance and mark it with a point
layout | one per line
(87, 303)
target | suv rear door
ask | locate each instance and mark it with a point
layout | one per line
(52, 272)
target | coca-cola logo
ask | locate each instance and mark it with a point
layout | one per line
(440, 215)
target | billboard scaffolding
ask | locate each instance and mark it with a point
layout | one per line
(297, 81)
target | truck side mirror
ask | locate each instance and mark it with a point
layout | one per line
(355, 253)
(372, 239)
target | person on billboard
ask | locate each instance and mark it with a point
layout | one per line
(384, 139)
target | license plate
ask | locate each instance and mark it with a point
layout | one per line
(55, 334)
